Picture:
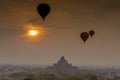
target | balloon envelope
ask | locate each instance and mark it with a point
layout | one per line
(84, 36)
(91, 32)
(43, 10)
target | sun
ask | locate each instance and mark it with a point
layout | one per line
(33, 32)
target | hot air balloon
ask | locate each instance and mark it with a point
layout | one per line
(43, 10)
(84, 36)
(91, 32)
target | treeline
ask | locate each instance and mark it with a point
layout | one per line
(54, 76)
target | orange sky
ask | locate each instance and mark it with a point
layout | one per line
(63, 25)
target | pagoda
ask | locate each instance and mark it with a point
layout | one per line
(62, 66)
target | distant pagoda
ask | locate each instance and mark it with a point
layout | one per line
(62, 66)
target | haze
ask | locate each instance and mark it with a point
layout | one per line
(63, 25)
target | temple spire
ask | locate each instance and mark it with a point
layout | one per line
(62, 66)
(62, 60)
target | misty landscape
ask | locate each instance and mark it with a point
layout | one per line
(62, 70)
(59, 40)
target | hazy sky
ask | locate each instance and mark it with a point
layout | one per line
(63, 25)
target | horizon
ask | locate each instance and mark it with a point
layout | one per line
(76, 65)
